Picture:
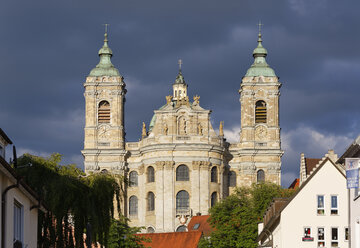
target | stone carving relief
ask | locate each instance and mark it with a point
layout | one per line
(196, 100)
(168, 99)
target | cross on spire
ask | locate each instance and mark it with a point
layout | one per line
(106, 27)
(180, 63)
(260, 24)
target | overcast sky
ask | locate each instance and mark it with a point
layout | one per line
(47, 48)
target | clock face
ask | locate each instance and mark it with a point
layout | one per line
(260, 132)
(103, 132)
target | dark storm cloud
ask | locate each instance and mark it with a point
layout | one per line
(48, 47)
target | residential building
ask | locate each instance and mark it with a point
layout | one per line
(19, 208)
(315, 216)
(353, 151)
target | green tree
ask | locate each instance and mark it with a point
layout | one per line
(235, 218)
(123, 236)
(74, 201)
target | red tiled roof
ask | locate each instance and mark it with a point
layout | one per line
(295, 184)
(173, 240)
(310, 164)
(204, 225)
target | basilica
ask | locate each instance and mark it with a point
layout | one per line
(181, 166)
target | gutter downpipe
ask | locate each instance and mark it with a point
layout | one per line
(3, 205)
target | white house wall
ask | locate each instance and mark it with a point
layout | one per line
(302, 211)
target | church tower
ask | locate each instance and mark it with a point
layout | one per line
(258, 154)
(104, 141)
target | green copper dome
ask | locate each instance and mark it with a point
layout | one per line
(260, 67)
(105, 67)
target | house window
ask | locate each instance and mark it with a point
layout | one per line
(133, 179)
(346, 234)
(133, 205)
(104, 112)
(334, 237)
(181, 228)
(182, 173)
(321, 237)
(214, 174)
(334, 205)
(150, 174)
(260, 112)
(260, 176)
(18, 223)
(182, 202)
(213, 199)
(232, 179)
(150, 201)
(150, 229)
(307, 234)
(320, 205)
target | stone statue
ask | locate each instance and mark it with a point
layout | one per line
(165, 129)
(196, 99)
(143, 133)
(221, 128)
(168, 99)
(200, 130)
(182, 126)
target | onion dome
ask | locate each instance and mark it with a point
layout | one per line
(260, 67)
(105, 67)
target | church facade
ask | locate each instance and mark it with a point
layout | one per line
(181, 166)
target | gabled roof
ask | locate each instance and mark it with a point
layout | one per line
(310, 164)
(353, 151)
(173, 239)
(275, 218)
(200, 223)
(295, 184)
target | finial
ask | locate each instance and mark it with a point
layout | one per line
(259, 35)
(180, 63)
(143, 132)
(106, 31)
(221, 128)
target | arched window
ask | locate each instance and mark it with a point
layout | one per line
(213, 199)
(150, 201)
(133, 205)
(260, 112)
(232, 179)
(182, 173)
(182, 201)
(181, 228)
(260, 176)
(150, 229)
(214, 174)
(150, 174)
(133, 179)
(104, 112)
